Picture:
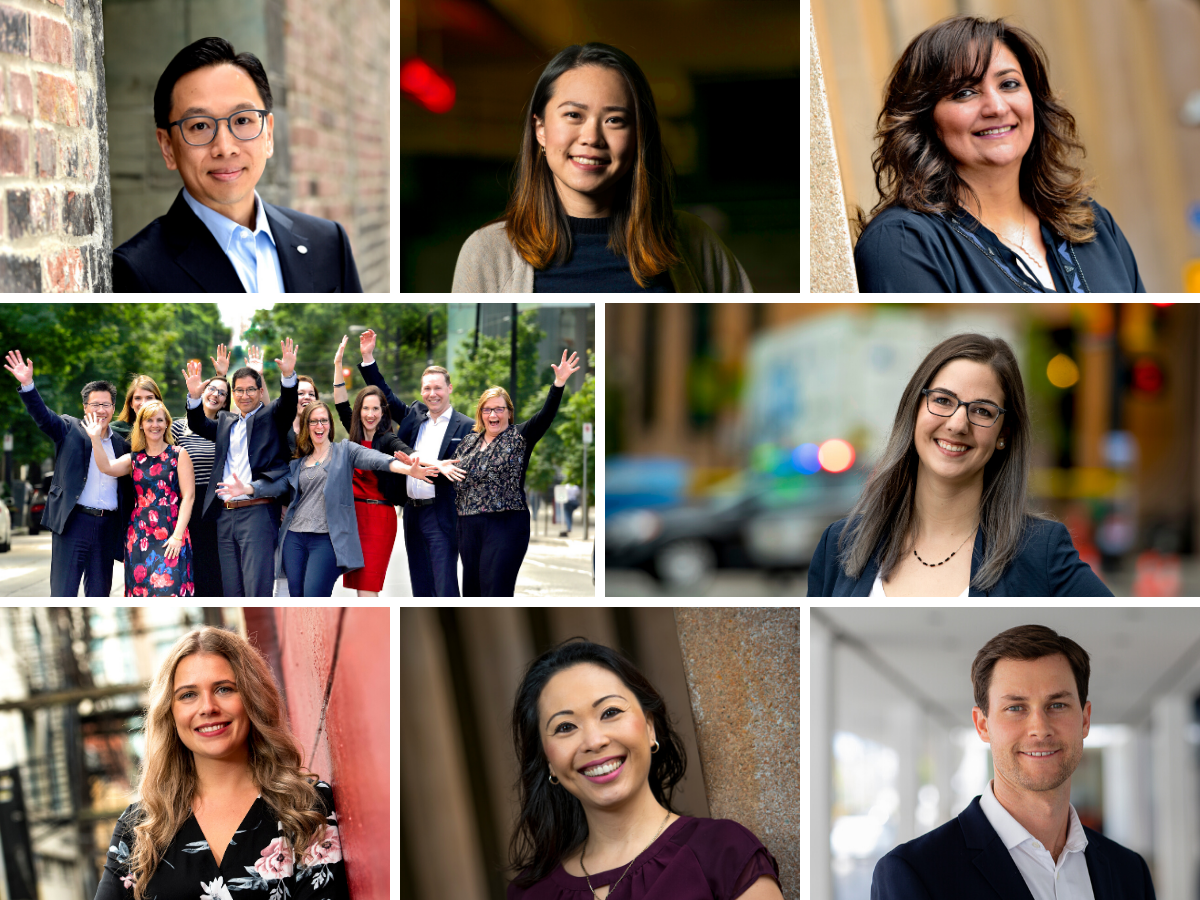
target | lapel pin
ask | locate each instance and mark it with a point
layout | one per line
(301, 249)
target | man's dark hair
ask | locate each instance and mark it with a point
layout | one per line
(209, 51)
(246, 372)
(93, 386)
(1028, 642)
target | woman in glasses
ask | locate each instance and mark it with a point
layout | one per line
(945, 512)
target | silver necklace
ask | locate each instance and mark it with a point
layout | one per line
(942, 563)
(588, 878)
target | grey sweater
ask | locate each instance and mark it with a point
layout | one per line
(488, 264)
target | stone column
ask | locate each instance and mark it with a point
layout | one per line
(743, 678)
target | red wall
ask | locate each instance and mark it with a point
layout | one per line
(352, 752)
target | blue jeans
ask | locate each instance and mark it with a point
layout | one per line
(310, 564)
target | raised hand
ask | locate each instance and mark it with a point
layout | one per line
(221, 362)
(287, 362)
(21, 369)
(449, 468)
(565, 369)
(337, 357)
(233, 488)
(92, 425)
(366, 346)
(193, 378)
(254, 359)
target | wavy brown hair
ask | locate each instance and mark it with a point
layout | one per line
(140, 382)
(304, 444)
(385, 419)
(642, 227)
(168, 783)
(913, 168)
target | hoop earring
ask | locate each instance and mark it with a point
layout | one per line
(654, 749)
(553, 780)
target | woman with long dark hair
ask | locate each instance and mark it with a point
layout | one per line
(945, 512)
(599, 763)
(226, 806)
(979, 177)
(591, 207)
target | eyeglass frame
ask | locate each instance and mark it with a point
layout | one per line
(495, 409)
(927, 391)
(228, 125)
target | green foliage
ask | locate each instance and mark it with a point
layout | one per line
(577, 409)
(474, 373)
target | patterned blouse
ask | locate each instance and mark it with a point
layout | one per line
(495, 479)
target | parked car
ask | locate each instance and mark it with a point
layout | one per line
(37, 505)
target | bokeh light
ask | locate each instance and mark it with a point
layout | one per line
(1062, 371)
(806, 458)
(836, 455)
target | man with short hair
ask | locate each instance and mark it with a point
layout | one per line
(1022, 839)
(86, 511)
(433, 429)
(212, 112)
(249, 444)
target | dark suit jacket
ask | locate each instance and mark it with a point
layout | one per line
(966, 860)
(1047, 566)
(72, 456)
(267, 451)
(408, 420)
(176, 253)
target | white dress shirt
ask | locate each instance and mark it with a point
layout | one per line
(877, 589)
(429, 444)
(1047, 880)
(253, 253)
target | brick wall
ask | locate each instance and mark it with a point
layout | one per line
(55, 218)
(337, 54)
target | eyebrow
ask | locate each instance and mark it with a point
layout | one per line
(955, 396)
(571, 712)
(241, 106)
(194, 686)
(585, 106)
(1019, 699)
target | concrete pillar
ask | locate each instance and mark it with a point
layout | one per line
(905, 726)
(743, 677)
(1176, 835)
(831, 260)
(820, 749)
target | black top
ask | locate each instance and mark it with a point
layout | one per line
(906, 251)
(593, 267)
(393, 486)
(258, 864)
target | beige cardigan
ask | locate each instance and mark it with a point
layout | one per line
(488, 264)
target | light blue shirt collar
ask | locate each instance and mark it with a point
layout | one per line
(247, 256)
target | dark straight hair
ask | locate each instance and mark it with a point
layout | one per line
(642, 227)
(885, 515)
(356, 425)
(551, 822)
(209, 51)
(1028, 642)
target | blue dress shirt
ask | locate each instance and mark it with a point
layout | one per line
(252, 253)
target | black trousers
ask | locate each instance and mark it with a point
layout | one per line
(492, 547)
(432, 553)
(80, 552)
(206, 555)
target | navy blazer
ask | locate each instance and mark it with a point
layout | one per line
(1047, 566)
(176, 253)
(268, 452)
(408, 419)
(72, 457)
(966, 860)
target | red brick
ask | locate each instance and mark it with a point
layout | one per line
(45, 165)
(52, 41)
(64, 271)
(21, 89)
(57, 100)
(14, 151)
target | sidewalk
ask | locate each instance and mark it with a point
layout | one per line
(545, 532)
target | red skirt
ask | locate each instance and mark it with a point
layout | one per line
(377, 534)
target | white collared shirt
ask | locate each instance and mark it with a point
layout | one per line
(1047, 880)
(238, 458)
(253, 253)
(427, 448)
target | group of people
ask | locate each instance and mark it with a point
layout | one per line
(232, 498)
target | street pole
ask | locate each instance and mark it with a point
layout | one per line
(512, 363)
(587, 439)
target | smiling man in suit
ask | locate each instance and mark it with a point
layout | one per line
(1021, 839)
(212, 109)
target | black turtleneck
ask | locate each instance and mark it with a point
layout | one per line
(593, 267)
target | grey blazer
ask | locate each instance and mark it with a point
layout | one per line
(344, 458)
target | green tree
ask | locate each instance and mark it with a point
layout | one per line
(477, 370)
(577, 409)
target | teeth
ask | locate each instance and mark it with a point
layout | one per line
(996, 130)
(208, 728)
(1040, 752)
(604, 769)
(588, 162)
(953, 448)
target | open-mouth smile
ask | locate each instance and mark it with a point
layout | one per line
(590, 163)
(605, 771)
(213, 729)
(998, 131)
(951, 449)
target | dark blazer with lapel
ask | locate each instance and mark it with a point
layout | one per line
(408, 419)
(176, 253)
(267, 451)
(72, 456)
(966, 860)
(1048, 565)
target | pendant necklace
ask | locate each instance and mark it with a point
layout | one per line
(588, 878)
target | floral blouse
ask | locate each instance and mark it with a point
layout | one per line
(258, 864)
(495, 479)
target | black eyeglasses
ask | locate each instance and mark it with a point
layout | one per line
(199, 131)
(979, 412)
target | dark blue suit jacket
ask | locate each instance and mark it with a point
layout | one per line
(72, 456)
(176, 253)
(1047, 566)
(966, 860)
(408, 419)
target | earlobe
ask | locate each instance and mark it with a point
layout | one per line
(981, 724)
(164, 144)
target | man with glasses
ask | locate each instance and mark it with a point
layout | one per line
(86, 511)
(212, 109)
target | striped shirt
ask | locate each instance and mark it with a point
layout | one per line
(201, 450)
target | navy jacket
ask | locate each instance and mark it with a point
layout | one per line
(72, 455)
(176, 253)
(1047, 566)
(966, 860)
(408, 419)
(906, 251)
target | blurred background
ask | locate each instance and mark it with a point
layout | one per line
(73, 687)
(725, 76)
(894, 753)
(1127, 69)
(736, 433)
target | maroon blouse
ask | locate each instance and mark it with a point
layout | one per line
(694, 859)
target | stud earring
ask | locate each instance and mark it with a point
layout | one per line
(1000, 444)
(553, 780)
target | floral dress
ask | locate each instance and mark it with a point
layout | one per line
(259, 863)
(155, 514)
